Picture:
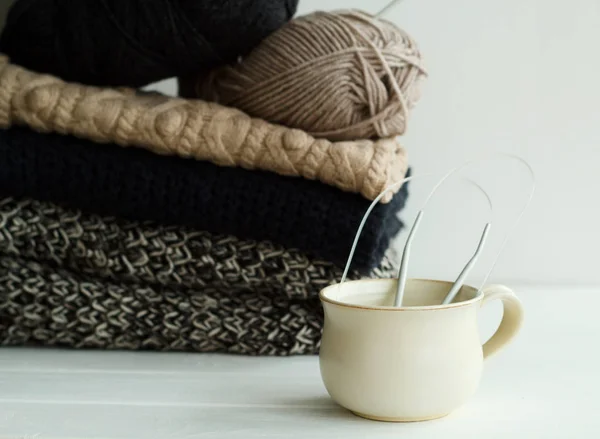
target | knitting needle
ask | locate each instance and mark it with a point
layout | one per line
(404, 264)
(460, 280)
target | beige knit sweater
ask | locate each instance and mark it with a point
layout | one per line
(196, 129)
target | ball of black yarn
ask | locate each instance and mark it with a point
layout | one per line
(136, 42)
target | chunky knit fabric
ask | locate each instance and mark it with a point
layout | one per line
(55, 307)
(194, 129)
(295, 213)
(136, 42)
(43, 305)
(172, 256)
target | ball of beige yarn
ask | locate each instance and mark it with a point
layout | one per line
(343, 76)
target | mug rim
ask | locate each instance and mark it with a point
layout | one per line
(478, 297)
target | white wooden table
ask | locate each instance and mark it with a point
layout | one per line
(545, 385)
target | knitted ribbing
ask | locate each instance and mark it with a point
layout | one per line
(135, 184)
(196, 129)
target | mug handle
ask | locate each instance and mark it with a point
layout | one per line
(512, 318)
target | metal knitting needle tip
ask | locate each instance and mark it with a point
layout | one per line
(463, 274)
(404, 264)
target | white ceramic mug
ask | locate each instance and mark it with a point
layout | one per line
(414, 363)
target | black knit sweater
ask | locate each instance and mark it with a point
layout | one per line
(135, 184)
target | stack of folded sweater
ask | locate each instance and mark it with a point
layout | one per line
(133, 220)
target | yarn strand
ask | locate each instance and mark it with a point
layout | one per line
(383, 11)
(344, 75)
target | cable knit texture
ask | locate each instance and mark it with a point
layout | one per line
(134, 184)
(128, 251)
(195, 129)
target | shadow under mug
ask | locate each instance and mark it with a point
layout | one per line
(413, 363)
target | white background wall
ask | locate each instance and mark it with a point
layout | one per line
(520, 76)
